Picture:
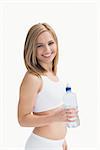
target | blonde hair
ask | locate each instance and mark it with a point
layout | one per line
(30, 59)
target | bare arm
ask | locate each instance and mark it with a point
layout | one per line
(31, 120)
(29, 89)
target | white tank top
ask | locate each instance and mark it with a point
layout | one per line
(50, 96)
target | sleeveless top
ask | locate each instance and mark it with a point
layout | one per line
(50, 96)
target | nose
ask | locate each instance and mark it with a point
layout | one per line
(47, 49)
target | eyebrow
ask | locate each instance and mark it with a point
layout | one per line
(38, 43)
(43, 43)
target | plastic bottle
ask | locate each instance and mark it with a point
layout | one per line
(70, 101)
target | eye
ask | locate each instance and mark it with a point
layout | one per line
(50, 43)
(39, 46)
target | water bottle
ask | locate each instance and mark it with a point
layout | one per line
(70, 101)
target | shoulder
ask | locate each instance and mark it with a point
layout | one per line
(30, 81)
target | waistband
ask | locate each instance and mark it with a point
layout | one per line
(56, 142)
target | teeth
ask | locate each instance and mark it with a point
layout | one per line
(47, 55)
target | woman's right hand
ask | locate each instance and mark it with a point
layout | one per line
(64, 114)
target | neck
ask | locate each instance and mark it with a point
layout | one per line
(48, 67)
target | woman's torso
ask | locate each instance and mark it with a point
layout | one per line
(45, 104)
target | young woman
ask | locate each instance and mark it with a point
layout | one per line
(41, 92)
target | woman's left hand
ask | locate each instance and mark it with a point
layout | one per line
(65, 145)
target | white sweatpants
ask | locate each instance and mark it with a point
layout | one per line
(35, 142)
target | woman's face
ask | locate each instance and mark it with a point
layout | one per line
(46, 48)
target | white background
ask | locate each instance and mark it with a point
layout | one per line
(76, 27)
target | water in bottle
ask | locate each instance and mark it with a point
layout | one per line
(70, 101)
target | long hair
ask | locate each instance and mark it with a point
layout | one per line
(30, 59)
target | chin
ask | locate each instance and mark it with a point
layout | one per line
(48, 61)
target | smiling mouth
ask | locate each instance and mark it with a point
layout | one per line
(48, 55)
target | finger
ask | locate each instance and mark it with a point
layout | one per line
(68, 120)
(71, 116)
(72, 111)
